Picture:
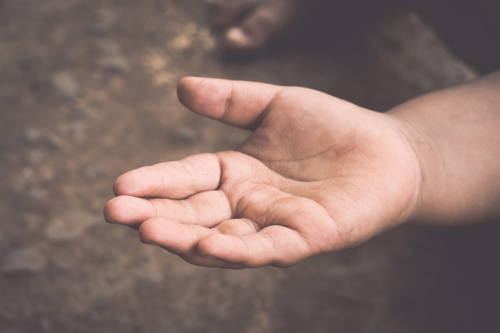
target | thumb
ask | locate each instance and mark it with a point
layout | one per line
(237, 103)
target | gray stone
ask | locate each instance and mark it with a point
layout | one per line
(18, 187)
(56, 142)
(47, 173)
(7, 315)
(37, 194)
(150, 277)
(93, 172)
(115, 64)
(85, 112)
(32, 221)
(185, 136)
(78, 130)
(71, 225)
(33, 136)
(107, 48)
(103, 21)
(94, 317)
(25, 260)
(65, 85)
(46, 325)
(34, 157)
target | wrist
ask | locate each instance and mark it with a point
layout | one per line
(455, 139)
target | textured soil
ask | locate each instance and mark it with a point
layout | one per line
(87, 92)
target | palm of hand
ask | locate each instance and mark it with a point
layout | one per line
(318, 174)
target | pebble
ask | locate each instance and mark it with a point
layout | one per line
(46, 325)
(65, 85)
(32, 221)
(47, 173)
(78, 130)
(34, 157)
(19, 186)
(185, 136)
(85, 112)
(33, 136)
(103, 21)
(55, 142)
(93, 172)
(107, 48)
(93, 317)
(7, 315)
(115, 64)
(24, 260)
(111, 59)
(71, 225)
(37, 194)
(150, 278)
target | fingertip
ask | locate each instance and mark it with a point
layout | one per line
(127, 210)
(108, 212)
(121, 186)
(216, 246)
(112, 210)
(126, 184)
(236, 103)
(149, 231)
(138, 183)
(185, 88)
(204, 96)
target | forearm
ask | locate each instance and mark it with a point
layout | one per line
(455, 134)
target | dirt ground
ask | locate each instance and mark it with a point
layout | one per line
(87, 92)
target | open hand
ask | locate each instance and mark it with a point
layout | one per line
(318, 174)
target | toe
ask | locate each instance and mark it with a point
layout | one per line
(226, 12)
(259, 26)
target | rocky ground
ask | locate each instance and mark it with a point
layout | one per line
(87, 92)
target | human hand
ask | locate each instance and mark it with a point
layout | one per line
(318, 174)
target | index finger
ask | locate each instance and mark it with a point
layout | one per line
(172, 180)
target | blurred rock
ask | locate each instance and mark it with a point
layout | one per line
(56, 142)
(92, 172)
(47, 173)
(78, 130)
(115, 64)
(85, 112)
(107, 47)
(111, 59)
(185, 136)
(33, 136)
(7, 315)
(34, 157)
(103, 21)
(32, 221)
(37, 194)
(23, 260)
(71, 225)
(24, 181)
(150, 277)
(19, 186)
(93, 317)
(46, 325)
(65, 85)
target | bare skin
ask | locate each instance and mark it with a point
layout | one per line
(318, 174)
(250, 24)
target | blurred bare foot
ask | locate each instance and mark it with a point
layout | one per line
(250, 24)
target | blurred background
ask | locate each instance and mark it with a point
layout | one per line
(87, 92)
